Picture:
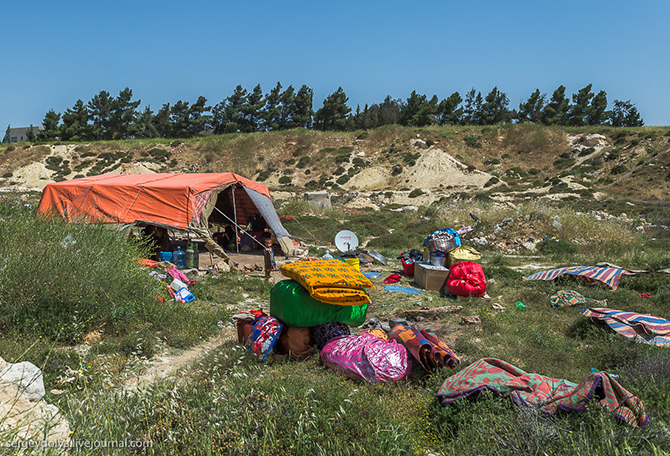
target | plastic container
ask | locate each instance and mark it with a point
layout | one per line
(178, 258)
(354, 262)
(185, 295)
(327, 256)
(437, 259)
(164, 256)
(408, 267)
(177, 285)
(192, 256)
(520, 305)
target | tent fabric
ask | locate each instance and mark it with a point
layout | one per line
(181, 201)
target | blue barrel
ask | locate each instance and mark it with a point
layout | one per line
(164, 256)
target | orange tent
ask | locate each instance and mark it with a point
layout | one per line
(181, 201)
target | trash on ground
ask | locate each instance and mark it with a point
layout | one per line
(609, 276)
(425, 347)
(399, 289)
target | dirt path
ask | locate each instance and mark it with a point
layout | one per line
(168, 365)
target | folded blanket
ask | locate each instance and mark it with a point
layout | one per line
(548, 394)
(330, 281)
(570, 298)
(425, 347)
(609, 276)
(643, 327)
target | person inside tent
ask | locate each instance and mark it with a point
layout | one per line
(158, 240)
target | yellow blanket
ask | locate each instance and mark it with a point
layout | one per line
(330, 281)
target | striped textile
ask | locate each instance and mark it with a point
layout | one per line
(643, 327)
(571, 298)
(608, 276)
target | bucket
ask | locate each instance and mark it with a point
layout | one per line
(437, 259)
(164, 256)
(408, 267)
(354, 262)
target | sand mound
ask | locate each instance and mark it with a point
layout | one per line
(375, 178)
(436, 167)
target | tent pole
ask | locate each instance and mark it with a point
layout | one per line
(237, 244)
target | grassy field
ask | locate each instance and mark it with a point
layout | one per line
(228, 403)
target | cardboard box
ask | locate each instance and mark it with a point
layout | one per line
(430, 277)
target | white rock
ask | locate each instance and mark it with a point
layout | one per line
(26, 376)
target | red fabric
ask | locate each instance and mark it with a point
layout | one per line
(393, 278)
(467, 279)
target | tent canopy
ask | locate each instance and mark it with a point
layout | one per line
(181, 201)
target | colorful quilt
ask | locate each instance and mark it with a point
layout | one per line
(425, 347)
(570, 298)
(330, 281)
(608, 276)
(549, 394)
(643, 327)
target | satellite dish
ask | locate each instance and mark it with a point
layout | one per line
(345, 241)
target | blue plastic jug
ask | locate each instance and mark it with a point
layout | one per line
(178, 258)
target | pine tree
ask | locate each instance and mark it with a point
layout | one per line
(51, 126)
(625, 114)
(448, 111)
(100, 108)
(198, 120)
(533, 109)
(596, 113)
(271, 113)
(252, 111)
(123, 115)
(494, 110)
(7, 138)
(75, 123)
(334, 113)
(556, 111)
(581, 101)
(303, 101)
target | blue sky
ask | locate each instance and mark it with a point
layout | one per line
(57, 52)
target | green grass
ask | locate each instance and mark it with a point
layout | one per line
(228, 403)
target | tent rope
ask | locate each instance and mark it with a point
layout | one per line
(236, 225)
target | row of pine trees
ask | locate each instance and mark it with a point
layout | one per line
(106, 117)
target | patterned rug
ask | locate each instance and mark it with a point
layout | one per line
(548, 394)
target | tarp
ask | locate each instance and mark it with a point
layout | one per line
(180, 201)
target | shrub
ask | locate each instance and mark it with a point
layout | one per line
(358, 161)
(10, 148)
(472, 141)
(618, 169)
(299, 151)
(587, 151)
(492, 161)
(397, 169)
(6, 175)
(429, 142)
(563, 163)
(494, 180)
(288, 171)
(303, 162)
(558, 247)
(364, 135)
(533, 171)
(416, 192)
(338, 171)
(285, 180)
(73, 298)
(343, 179)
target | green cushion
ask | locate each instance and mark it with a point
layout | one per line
(292, 304)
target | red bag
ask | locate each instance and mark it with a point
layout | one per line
(467, 279)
